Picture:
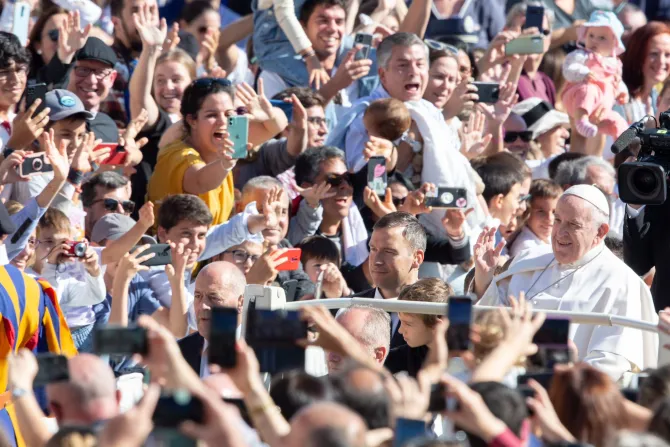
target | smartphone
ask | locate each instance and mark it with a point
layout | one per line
(319, 286)
(554, 333)
(176, 407)
(543, 378)
(488, 92)
(275, 327)
(437, 402)
(21, 22)
(223, 325)
(34, 92)
(407, 430)
(120, 340)
(35, 164)
(534, 17)
(526, 392)
(238, 128)
(117, 155)
(290, 289)
(286, 107)
(51, 368)
(364, 41)
(292, 262)
(446, 197)
(162, 254)
(377, 178)
(525, 45)
(459, 313)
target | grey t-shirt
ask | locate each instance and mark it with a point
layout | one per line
(272, 159)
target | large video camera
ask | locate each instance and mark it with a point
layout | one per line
(644, 181)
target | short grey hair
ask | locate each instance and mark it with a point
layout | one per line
(404, 40)
(574, 172)
(261, 182)
(308, 165)
(376, 329)
(520, 9)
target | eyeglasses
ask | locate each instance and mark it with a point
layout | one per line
(336, 180)
(241, 256)
(511, 136)
(318, 121)
(83, 72)
(439, 46)
(113, 204)
(19, 70)
(397, 201)
(525, 198)
(208, 82)
(53, 35)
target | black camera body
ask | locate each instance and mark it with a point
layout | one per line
(645, 181)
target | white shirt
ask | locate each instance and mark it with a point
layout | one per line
(395, 321)
(525, 240)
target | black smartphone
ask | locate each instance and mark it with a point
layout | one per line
(534, 17)
(554, 333)
(364, 41)
(35, 164)
(446, 197)
(631, 394)
(51, 368)
(543, 378)
(437, 402)
(36, 91)
(377, 177)
(174, 408)
(223, 324)
(286, 107)
(120, 340)
(273, 335)
(162, 254)
(526, 392)
(488, 92)
(459, 313)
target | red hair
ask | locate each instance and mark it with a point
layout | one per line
(638, 45)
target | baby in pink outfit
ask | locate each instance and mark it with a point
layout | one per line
(594, 76)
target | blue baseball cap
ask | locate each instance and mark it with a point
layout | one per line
(63, 104)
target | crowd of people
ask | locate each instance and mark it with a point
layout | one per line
(162, 162)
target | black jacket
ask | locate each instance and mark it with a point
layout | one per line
(646, 244)
(396, 337)
(404, 358)
(304, 286)
(191, 348)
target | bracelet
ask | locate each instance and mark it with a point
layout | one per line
(7, 152)
(309, 54)
(75, 177)
(262, 408)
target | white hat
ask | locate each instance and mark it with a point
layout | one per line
(540, 116)
(605, 19)
(591, 194)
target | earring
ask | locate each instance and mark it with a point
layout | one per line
(39, 52)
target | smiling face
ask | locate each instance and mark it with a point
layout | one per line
(325, 28)
(553, 141)
(656, 66)
(406, 75)
(170, 80)
(541, 220)
(91, 81)
(23, 259)
(336, 207)
(46, 46)
(191, 234)
(71, 133)
(209, 20)
(575, 232)
(442, 79)
(208, 126)
(13, 80)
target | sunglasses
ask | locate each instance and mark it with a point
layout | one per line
(202, 29)
(113, 204)
(439, 46)
(53, 35)
(208, 82)
(336, 180)
(397, 201)
(511, 136)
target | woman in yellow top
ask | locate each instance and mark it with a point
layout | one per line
(200, 163)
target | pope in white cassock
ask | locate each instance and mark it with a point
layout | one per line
(577, 273)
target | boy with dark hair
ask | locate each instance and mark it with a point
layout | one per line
(320, 254)
(14, 65)
(315, 105)
(502, 185)
(417, 329)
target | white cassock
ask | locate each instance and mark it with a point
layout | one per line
(600, 283)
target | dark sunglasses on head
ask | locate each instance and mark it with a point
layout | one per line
(439, 46)
(113, 205)
(336, 180)
(208, 82)
(511, 136)
(53, 35)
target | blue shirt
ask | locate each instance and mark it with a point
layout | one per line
(141, 301)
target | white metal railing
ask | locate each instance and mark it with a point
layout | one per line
(439, 308)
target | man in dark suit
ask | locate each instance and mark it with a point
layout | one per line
(397, 248)
(218, 284)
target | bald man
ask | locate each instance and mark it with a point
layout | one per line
(219, 284)
(326, 424)
(362, 390)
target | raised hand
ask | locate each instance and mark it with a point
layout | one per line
(318, 76)
(473, 141)
(57, 157)
(453, 221)
(131, 263)
(415, 202)
(316, 193)
(378, 206)
(71, 38)
(208, 49)
(258, 105)
(151, 35)
(545, 417)
(27, 128)
(146, 215)
(487, 257)
(172, 39)
(9, 168)
(127, 140)
(380, 147)
(351, 70)
(176, 271)
(272, 207)
(463, 97)
(334, 284)
(499, 111)
(81, 158)
(264, 269)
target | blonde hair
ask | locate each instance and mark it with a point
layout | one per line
(180, 56)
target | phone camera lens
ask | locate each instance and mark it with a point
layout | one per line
(37, 164)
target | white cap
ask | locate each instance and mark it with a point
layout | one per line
(591, 194)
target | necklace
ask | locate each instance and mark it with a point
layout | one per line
(530, 297)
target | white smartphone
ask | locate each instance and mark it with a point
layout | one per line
(21, 22)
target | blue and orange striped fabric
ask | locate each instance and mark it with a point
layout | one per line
(31, 318)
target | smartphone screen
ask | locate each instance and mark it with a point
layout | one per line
(407, 430)
(51, 368)
(120, 340)
(34, 92)
(377, 177)
(553, 333)
(275, 327)
(364, 41)
(286, 107)
(459, 312)
(174, 408)
(238, 128)
(223, 325)
(448, 198)
(534, 17)
(488, 92)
